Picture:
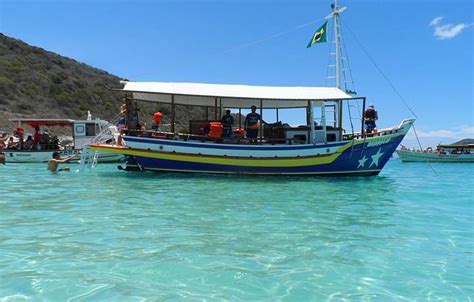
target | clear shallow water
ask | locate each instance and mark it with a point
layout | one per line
(407, 234)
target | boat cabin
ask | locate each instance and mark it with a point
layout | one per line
(83, 131)
(323, 107)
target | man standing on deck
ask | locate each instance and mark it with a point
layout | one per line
(227, 123)
(252, 124)
(370, 116)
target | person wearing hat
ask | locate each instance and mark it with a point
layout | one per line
(54, 162)
(370, 116)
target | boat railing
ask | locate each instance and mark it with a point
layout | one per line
(204, 138)
(378, 133)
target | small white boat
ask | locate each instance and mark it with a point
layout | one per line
(84, 132)
(455, 153)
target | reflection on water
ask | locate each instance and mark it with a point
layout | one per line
(114, 235)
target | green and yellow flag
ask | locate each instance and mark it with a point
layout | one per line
(319, 36)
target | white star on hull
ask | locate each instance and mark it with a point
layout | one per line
(362, 162)
(376, 158)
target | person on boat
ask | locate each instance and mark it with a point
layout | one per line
(20, 134)
(252, 123)
(370, 116)
(37, 138)
(53, 164)
(12, 145)
(157, 116)
(44, 140)
(227, 123)
(3, 138)
(28, 144)
(2, 158)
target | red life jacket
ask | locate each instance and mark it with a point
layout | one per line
(157, 117)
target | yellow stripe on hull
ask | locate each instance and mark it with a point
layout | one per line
(234, 161)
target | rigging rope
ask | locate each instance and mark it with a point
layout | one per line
(380, 71)
(421, 149)
(271, 36)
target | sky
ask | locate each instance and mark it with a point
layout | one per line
(424, 48)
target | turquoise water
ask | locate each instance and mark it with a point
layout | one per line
(111, 235)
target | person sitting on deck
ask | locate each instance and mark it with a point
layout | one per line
(370, 116)
(157, 116)
(12, 145)
(227, 123)
(28, 144)
(53, 163)
(252, 124)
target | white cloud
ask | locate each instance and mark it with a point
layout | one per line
(447, 31)
(464, 132)
(436, 20)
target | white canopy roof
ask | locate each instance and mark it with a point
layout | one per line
(231, 96)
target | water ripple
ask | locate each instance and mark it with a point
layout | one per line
(108, 235)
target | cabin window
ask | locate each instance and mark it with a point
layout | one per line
(90, 130)
(331, 137)
(79, 130)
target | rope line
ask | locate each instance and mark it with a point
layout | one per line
(421, 149)
(380, 71)
(271, 36)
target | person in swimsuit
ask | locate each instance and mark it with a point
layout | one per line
(53, 163)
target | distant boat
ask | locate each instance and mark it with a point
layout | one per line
(84, 132)
(460, 152)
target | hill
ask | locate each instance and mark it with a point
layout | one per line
(466, 141)
(38, 83)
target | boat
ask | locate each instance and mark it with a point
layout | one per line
(321, 147)
(453, 153)
(84, 132)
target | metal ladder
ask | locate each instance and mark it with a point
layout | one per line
(88, 159)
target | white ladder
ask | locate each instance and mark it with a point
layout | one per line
(88, 159)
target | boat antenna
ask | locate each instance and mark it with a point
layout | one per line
(336, 10)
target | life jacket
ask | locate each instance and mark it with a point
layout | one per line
(157, 117)
(216, 129)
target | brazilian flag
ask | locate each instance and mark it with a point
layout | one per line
(319, 36)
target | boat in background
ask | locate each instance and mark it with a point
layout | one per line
(84, 132)
(459, 152)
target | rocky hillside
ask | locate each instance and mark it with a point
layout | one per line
(39, 83)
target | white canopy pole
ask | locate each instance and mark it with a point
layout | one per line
(323, 120)
(311, 120)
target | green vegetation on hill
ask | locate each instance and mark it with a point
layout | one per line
(36, 83)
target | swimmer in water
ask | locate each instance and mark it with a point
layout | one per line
(53, 163)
